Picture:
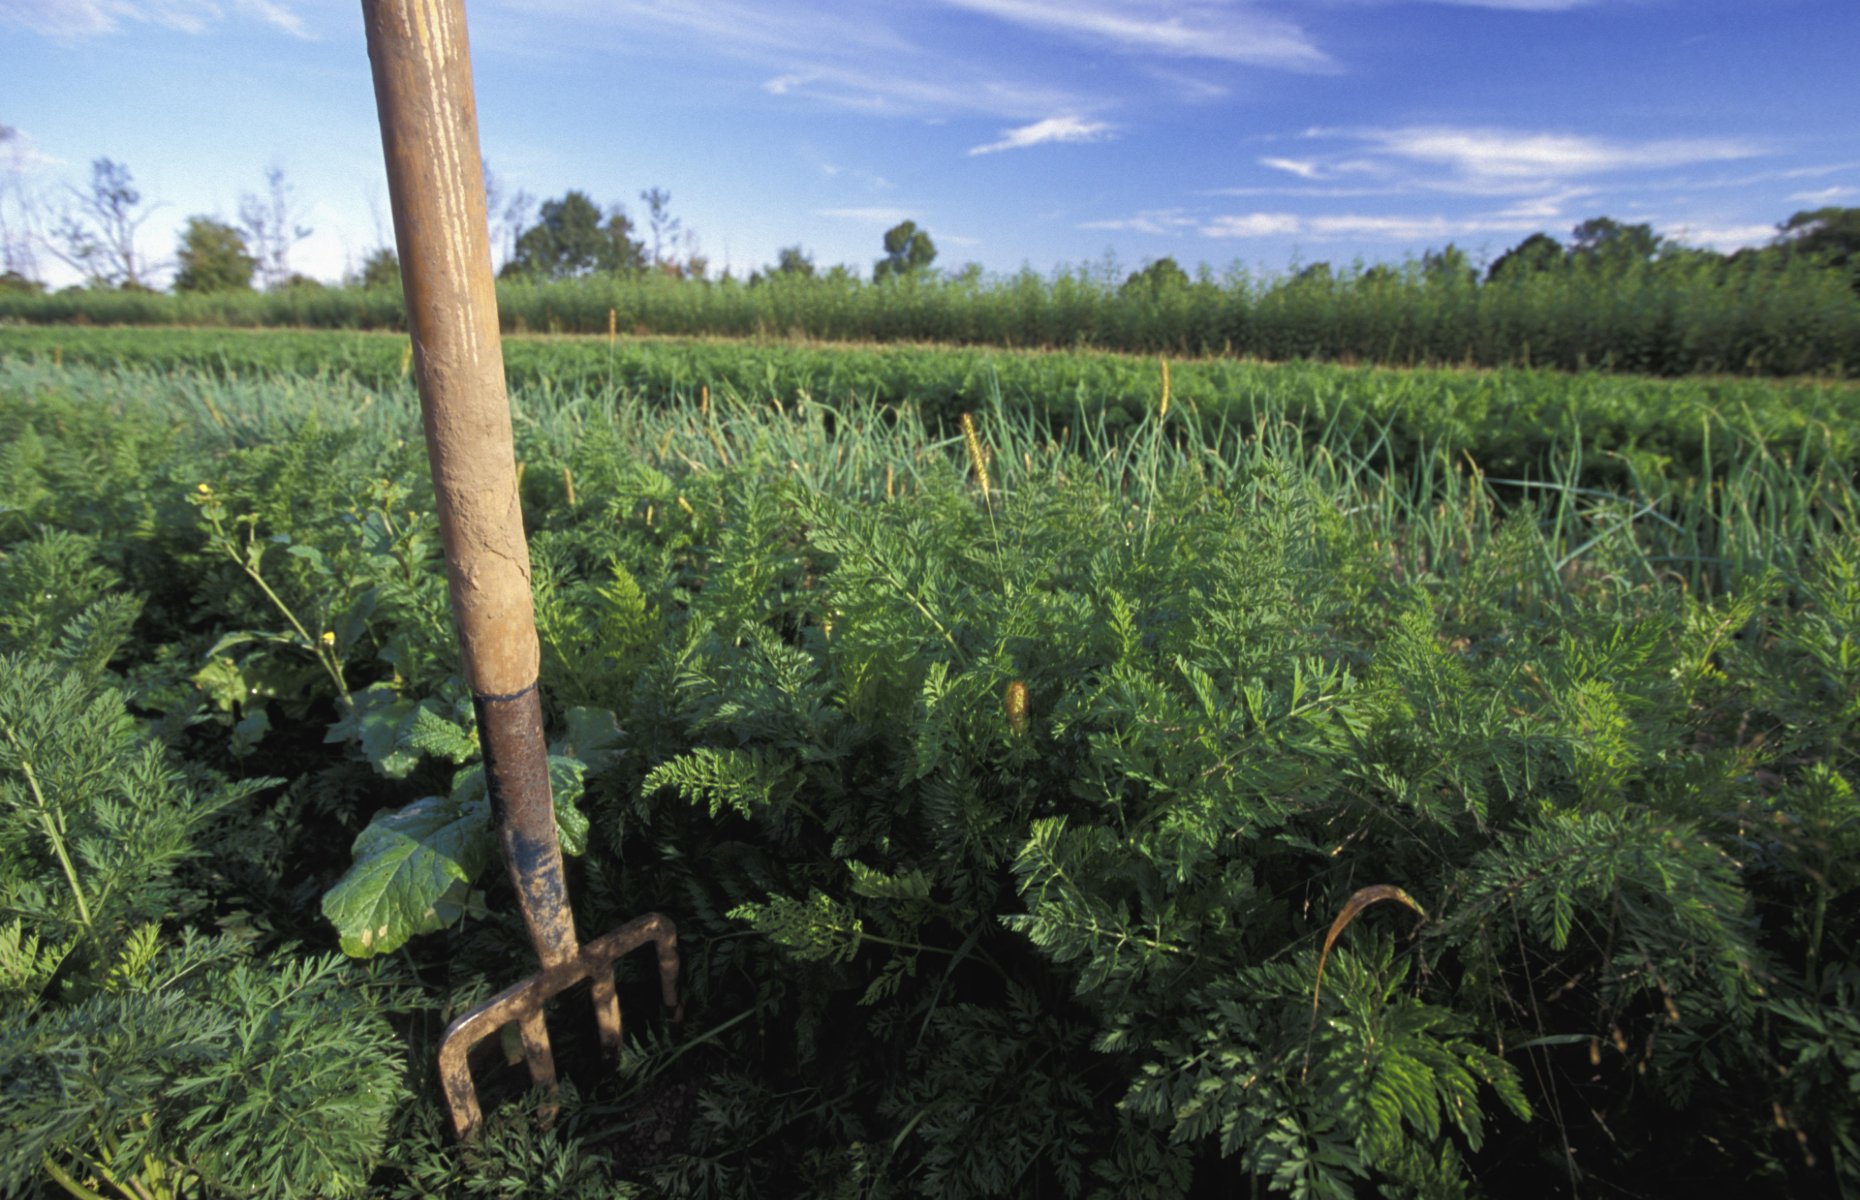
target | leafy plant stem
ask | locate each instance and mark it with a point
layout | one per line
(67, 1181)
(49, 824)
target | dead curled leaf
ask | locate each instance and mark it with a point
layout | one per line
(1352, 908)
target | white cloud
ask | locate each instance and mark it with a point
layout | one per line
(273, 13)
(781, 85)
(866, 216)
(20, 155)
(1505, 155)
(1550, 207)
(871, 180)
(1169, 28)
(1303, 168)
(1522, 5)
(1052, 129)
(903, 91)
(1724, 237)
(1156, 222)
(1827, 195)
(1189, 89)
(1362, 226)
(68, 20)
(1319, 192)
(1254, 225)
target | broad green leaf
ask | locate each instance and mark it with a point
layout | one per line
(434, 734)
(383, 724)
(248, 733)
(593, 736)
(413, 867)
(311, 555)
(571, 824)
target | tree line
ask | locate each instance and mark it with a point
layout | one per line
(95, 231)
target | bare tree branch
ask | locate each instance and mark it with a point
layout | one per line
(270, 225)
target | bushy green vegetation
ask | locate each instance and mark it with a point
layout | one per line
(1511, 422)
(1005, 790)
(1771, 316)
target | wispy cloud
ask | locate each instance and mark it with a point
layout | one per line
(1485, 161)
(1503, 154)
(739, 28)
(1522, 5)
(1252, 225)
(1304, 169)
(902, 91)
(1195, 29)
(1724, 237)
(1159, 221)
(71, 20)
(1827, 195)
(1371, 227)
(21, 155)
(860, 55)
(1052, 129)
(866, 216)
(870, 180)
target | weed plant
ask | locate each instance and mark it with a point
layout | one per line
(1020, 787)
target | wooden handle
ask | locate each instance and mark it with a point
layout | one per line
(429, 130)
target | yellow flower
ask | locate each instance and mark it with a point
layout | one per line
(1016, 705)
(976, 458)
(206, 489)
(329, 637)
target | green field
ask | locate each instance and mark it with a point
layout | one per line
(1761, 317)
(1004, 792)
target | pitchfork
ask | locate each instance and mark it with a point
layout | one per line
(429, 130)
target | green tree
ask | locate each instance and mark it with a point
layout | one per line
(1606, 243)
(1533, 256)
(1448, 266)
(1831, 234)
(792, 260)
(213, 258)
(381, 269)
(571, 237)
(1163, 275)
(908, 250)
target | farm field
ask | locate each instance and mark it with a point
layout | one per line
(1793, 315)
(1019, 788)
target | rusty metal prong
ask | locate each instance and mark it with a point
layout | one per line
(607, 1011)
(511, 1036)
(522, 1004)
(536, 1048)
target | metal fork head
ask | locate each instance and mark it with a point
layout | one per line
(522, 1005)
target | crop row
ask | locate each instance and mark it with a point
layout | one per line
(1660, 319)
(1513, 422)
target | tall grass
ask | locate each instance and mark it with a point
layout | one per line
(1512, 421)
(1419, 511)
(1659, 318)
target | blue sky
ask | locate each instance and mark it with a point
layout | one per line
(1018, 132)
